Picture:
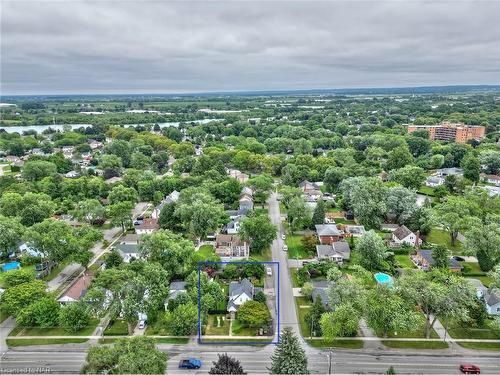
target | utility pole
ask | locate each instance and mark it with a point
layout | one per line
(330, 355)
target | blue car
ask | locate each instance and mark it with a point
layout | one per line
(190, 363)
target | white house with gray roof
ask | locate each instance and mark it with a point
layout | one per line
(338, 251)
(239, 293)
(403, 235)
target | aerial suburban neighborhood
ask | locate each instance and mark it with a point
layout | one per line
(249, 187)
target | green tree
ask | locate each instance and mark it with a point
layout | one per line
(436, 295)
(261, 186)
(91, 211)
(259, 231)
(309, 242)
(253, 314)
(483, 241)
(387, 312)
(74, 317)
(226, 365)
(401, 202)
(372, 250)
(313, 317)
(37, 169)
(136, 355)
(342, 322)
(298, 214)
(183, 320)
(11, 232)
(16, 298)
(121, 194)
(43, 313)
(171, 250)
(409, 176)
(456, 214)
(471, 166)
(17, 277)
(113, 259)
(120, 214)
(491, 159)
(441, 256)
(318, 216)
(288, 356)
(307, 290)
(399, 157)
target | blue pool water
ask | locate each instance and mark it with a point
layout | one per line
(11, 266)
(383, 278)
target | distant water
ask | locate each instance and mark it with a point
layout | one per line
(59, 127)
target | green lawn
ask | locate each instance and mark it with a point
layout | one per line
(264, 257)
(295, 280)
(172, 340)
(261, 211)
(415, 344)
(341, 220)
(493, 346)
(441, 237)
(346, 344)
(240, 330)
(47, 341)
(55, 331)
(56, 270)
(417, 333)
(426, 190)
(3, 314)
(205, 251)
(459, 331)
(295, 248)
(212, 328)
(404, 261)
(472, 267)
(302, 312)
(116, 328)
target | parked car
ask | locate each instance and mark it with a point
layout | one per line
(285, 248)
(283, 236)
(269, 271)
(142, 324)
(467, 368)
(190, 363)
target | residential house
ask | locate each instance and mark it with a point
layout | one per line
(240, 176)
(239, 293)
(492, 299)
(169, 199)
(128, 251)
(176, 288)
(147, 226)
(403, 235)
(481, 290)
(308, 186)
(130, 239)
(354, 230)
(434, 181)
(443, 172)
(94, 145)
(389, 227)
(78, 289)
(68, 151)
(336, 251)
(246, 199)
(329, 233)
(321, 290)
(490, 178)
(233, 227)
(424, 260)
(113, 180)
(71, 174)
(310, 191)
(493, 191)
(231, 246)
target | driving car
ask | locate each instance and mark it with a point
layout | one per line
(269, 271)
(190, 363)
(468, 368)
(283, 236)
(285, 248)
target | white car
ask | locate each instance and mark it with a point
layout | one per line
(142, 324)
(269, 271)
(285, 248)
(283, 236)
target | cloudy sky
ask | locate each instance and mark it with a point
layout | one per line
(188, 46)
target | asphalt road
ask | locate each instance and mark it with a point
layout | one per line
(255, 360)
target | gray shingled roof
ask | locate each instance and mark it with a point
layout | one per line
(245, 286)
(493, 297)
(427, 255)
(328, 230)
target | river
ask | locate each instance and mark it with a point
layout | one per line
(59, 127)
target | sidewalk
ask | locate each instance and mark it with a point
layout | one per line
(374, 342)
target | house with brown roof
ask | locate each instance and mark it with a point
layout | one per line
(490, 178)
(78, 289)
(404, 236)
(147, 226)
(231, 246)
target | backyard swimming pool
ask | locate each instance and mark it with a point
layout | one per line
(383, 278)
(11, 266)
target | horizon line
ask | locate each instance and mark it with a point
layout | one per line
(262, 91)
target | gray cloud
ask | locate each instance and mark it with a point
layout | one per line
(166, 46)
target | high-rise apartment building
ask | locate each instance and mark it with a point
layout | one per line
(454, 132)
